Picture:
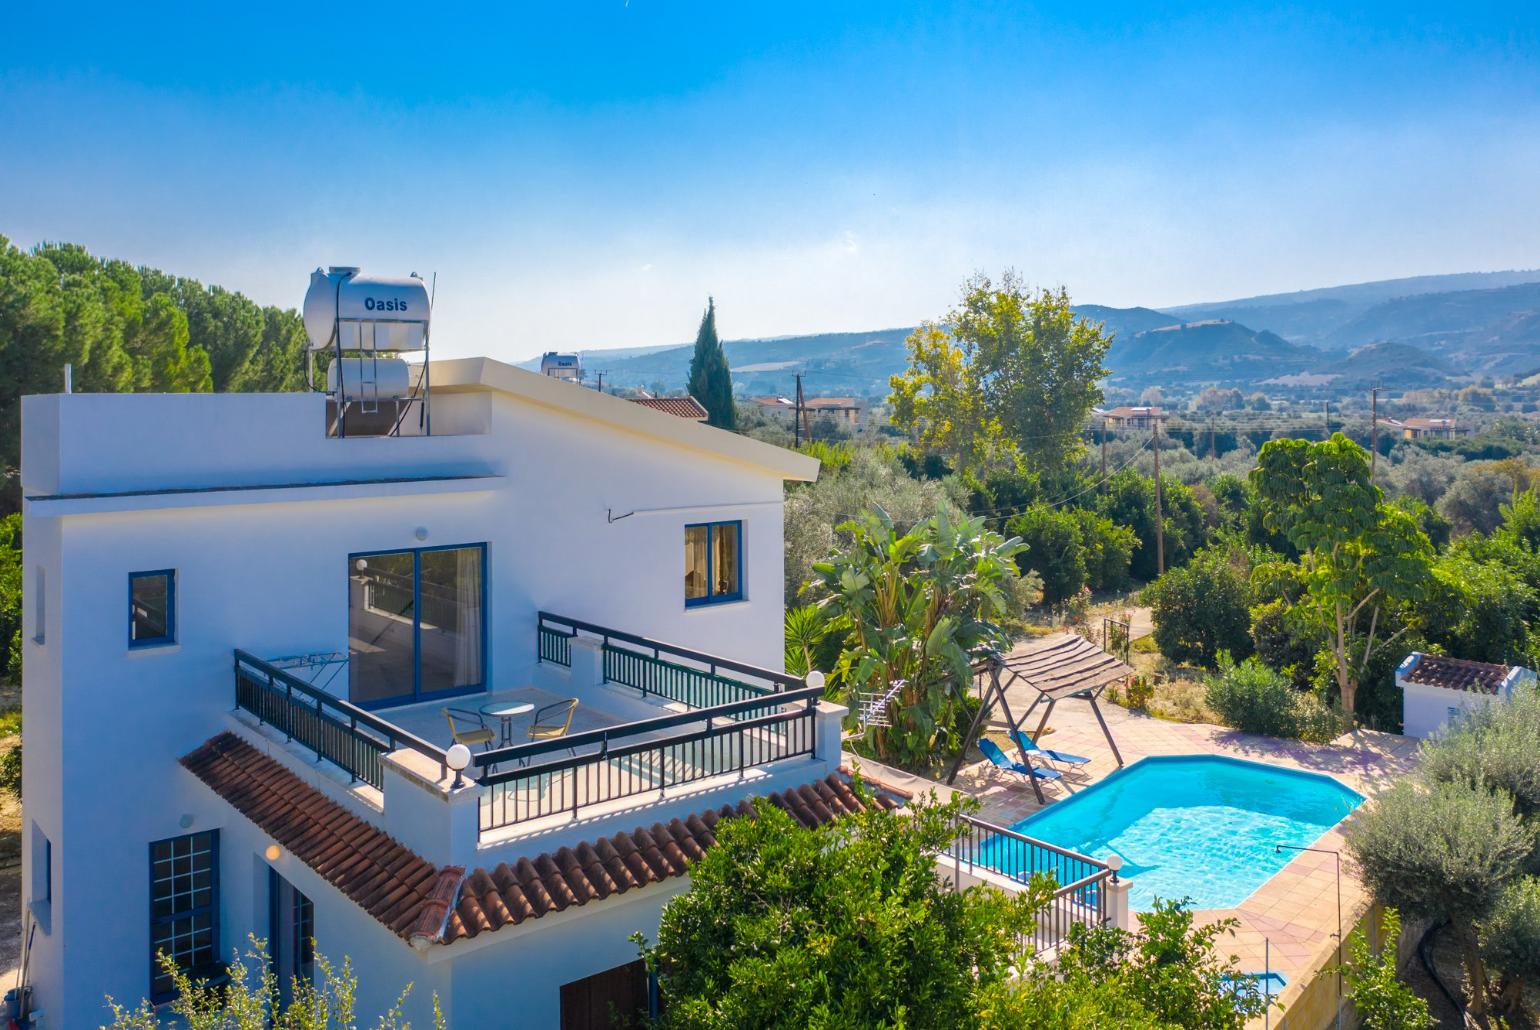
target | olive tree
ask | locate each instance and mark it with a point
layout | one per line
(1442, 851)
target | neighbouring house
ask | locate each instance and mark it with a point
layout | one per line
(1130, 417)
(844, 411)
(680, 407)
(1420, 428)
(776, 407)
(1437, 691)
(257, 655)
(561, 366)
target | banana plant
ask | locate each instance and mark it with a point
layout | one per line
(916, 609)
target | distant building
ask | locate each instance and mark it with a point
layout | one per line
(1131, 418)
(1437, 691)
(844, 410)
(561, 366)
(778, 407)
(1419, 428)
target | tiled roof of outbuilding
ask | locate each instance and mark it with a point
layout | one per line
(422, 903)
(1435, 670)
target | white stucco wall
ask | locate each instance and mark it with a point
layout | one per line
(1425, 709)
(105, 724)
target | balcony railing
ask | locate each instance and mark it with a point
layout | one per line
(662, 670)
(545, 778)
(1082, 881)
(339, 732)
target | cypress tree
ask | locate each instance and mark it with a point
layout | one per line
(711, 382)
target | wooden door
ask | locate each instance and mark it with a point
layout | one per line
(603, 1000)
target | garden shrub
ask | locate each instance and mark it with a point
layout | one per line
(1253, 698)
(1200, 608)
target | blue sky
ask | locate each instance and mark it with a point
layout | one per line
(584, 174)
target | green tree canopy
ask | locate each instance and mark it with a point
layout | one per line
(711, 382)
(1361, 557)
(1009, 371)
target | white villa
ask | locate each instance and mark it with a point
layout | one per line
(243, 631)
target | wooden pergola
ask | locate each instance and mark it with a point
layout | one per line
(1058, 667)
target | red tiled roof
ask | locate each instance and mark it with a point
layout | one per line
(418, 901)
(382, 876)
(1435, 670)
(571, 877)
(684, 407)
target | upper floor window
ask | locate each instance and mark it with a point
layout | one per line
(151, 608)
(713, 560)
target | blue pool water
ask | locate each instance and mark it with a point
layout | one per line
(1201, 827)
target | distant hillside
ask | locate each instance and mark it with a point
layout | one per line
(1443, 327)
(1213, 350)
(1311, 316)
(1398, 363)
(1126, 321)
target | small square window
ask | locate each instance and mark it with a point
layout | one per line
(151, 608)
(713, 556)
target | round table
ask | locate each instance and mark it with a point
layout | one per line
(506, 710)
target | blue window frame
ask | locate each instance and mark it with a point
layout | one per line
(713, 563)
(184, 909)
(152, 608)
(416, 624)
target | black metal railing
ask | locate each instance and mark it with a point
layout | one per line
(555, 645)
(337, 731)
(664, 670)
(1082, 882)
(564, 775)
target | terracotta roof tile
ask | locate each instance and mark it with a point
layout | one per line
(1435, 670)
(684, 407)
(401, 889)
(421, 902)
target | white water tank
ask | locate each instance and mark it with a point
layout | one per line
(370, 312)
(368, 379)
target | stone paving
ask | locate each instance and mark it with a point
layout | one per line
(1293, 916)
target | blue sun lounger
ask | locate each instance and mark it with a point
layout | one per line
(994, 754)
(1059, 757)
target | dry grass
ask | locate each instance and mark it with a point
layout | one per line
(1179, 689)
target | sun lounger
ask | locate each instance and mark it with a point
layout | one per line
(1059, 757)
(995, 755)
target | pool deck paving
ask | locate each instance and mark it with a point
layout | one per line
(1289, 923)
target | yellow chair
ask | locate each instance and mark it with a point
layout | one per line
(482, 733)
(558, 724)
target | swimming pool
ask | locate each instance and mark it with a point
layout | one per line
(1201, 827)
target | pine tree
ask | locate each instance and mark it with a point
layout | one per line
(711, 382)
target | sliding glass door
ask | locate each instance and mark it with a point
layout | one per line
(416, 627)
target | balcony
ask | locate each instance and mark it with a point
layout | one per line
(653, 721)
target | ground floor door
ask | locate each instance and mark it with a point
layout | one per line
(291, 934)
(608, 999)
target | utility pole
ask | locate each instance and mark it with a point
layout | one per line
(797, 425)
(1374, 430)
(1104, 446)
(1160, 527)
(601, 380)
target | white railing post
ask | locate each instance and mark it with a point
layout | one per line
(829, 719)
(1118, 913)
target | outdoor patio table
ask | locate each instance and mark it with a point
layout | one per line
(506, 710)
